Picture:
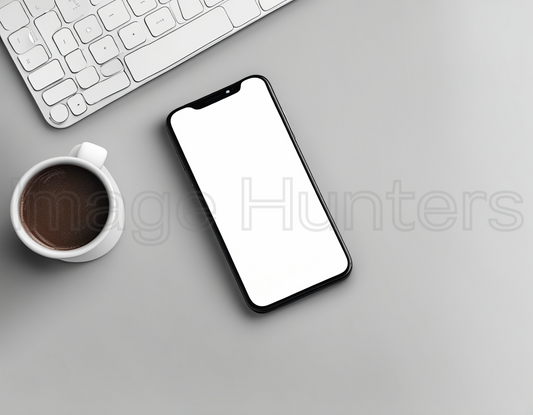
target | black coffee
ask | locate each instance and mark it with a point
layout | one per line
(64, 207)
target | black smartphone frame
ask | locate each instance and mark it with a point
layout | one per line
(211, 99)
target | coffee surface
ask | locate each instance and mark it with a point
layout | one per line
(64, 207)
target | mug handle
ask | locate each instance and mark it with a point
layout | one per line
(90, 152)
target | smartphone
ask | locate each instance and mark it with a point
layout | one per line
(261, 200)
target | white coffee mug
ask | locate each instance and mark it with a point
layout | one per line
(90, 157)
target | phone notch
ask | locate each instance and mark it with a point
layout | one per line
(216, 96)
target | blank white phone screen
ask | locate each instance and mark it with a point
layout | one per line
(259, 193)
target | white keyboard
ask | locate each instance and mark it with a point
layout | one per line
(77, 56)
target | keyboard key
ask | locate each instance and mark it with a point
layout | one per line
(269, 4)
(106, 88)
(132, 35)
(13, 16)
(111, 67)
(47, 25)
(160, 21)
(114, 15)
(104, 49)
(88, 77)
(96, 2)
(22, 40)
(88, 29)
(177, 45)
(211, 3)
(175, 9)
(72, 10)
(59, 114)
(33, 58)
(46, 75)
(65, 41)
(39, 7)
(190, 8)
(241, 11)
(77, 104)
(141, 7)
(76, 61)
(59, 92)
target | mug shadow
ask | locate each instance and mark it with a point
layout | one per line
(23, 272)
(22, 261)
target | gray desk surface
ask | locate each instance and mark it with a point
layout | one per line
(435, 94)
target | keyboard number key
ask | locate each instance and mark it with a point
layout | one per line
(190, 8)
(88, 29)
(104, 49)
(72, 10)
(46, 75)
(22, 40)
(88, 77)
(241, 12)
(160, 21)
(77, 104)
(141, 7)
(132, 35)
(114, 15)
(13, 16)
(65, 42)
(33, 58)
(39, 7)
(76, 61)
